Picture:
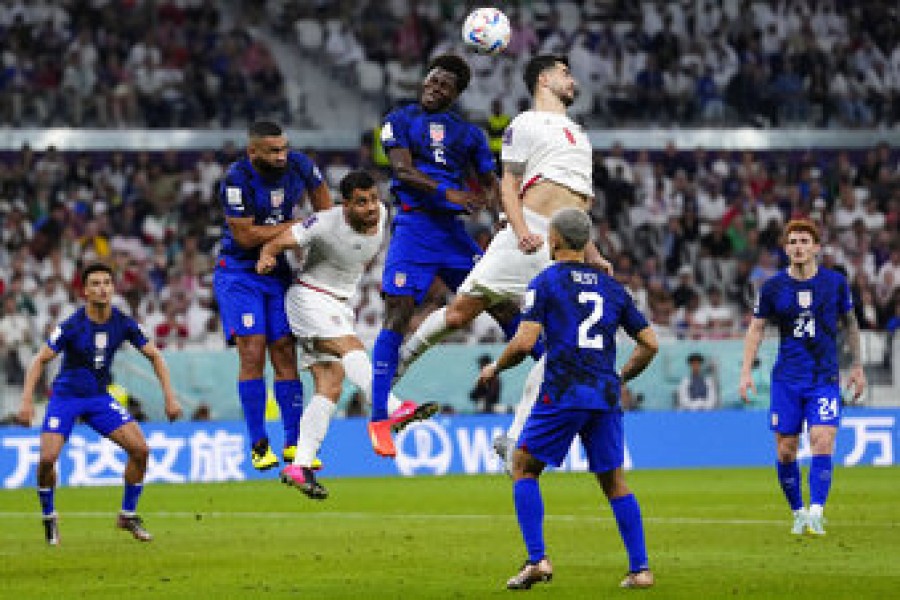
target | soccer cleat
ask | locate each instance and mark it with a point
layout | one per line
(290, 453)
(304, 480)
(640, 580)
(815, 525)
(51, 529)
(530, 574)
(409, 412)
(135, 525)
(800, 519)
(380, 435)
(262, 457)
(504, 447)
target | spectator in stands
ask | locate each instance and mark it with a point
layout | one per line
(697, 389)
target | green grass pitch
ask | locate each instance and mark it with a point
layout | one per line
(711, 534)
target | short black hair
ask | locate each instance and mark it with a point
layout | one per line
(695, 357)
(355, 180)
(456, 65)
(538, 65)
(96, 267)
(264, 129)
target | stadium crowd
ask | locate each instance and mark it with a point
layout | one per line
(764, 63)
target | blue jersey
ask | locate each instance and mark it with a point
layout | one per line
(806, 314)
(580, 308)
(246, 193)
(88, 349)
(443, 146)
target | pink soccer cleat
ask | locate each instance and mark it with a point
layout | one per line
(304, 480)
(410, 412)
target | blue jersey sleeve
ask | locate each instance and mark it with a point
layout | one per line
(632, 320)
(481, 154)
(59, 337)
(309, 172)
(395, 131)
(763, 307)
(535, 305)
(134, 333)
(845, 297)
(235, 197)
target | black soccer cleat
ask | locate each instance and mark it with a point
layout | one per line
(51, 529)
(134, 525)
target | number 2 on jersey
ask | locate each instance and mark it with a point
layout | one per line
(585, 340)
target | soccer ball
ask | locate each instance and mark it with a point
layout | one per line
(486, 30)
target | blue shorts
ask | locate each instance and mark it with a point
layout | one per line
(792, 403)
(425, 246)
(251, 304)
(103, 413)
(550, 431)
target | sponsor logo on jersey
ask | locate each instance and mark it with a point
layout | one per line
(100, 340)
(387, 133)
(804, 298)
(276, 197)
(247, 319)
(399, 279)
(437, 132)
(233, 196)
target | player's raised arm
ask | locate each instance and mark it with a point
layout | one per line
(249, 235)
(406, 172)
(32, 375)
(646, 348)
(857, 378)
(172, 406)
(752, 340)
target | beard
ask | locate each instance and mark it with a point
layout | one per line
(268, 170)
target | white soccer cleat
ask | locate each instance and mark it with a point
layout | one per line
(640, 580)
(800, 519)
(815, 525)
(504, 446)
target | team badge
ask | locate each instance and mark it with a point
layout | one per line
(100, 340)
(276, 197)
(399, 279)
(233, 196)
(804, 298)
(247, 320)
(437, 132)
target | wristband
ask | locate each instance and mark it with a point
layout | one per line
(441, 191)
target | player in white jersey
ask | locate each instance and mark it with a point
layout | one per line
(547, 165)
(339, 242)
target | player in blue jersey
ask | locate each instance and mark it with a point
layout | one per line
(260, 195)
(431, 149)
(808, 304)
(88, 341)
(578, 308)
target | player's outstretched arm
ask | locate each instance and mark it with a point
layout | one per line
(752, 340)
(857, 378)
(249, 235)
(510, 185)
(172, 407)
(515, 352)
(646, 348)
(32, 375)
(270, 250)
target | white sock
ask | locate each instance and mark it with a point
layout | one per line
(358, 369)
(529, 397)
(816, 510)
(430, 331)
(313, 427)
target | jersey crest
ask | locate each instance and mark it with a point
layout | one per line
(276, 197)
(101, 340)
(804, 298)
(437, 132)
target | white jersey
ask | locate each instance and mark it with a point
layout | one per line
(551, 146)
(336, 255)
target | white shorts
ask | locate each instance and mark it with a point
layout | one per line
(316, 315)
(504, 272)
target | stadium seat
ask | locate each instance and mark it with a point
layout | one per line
(370, 78)
(310, 35)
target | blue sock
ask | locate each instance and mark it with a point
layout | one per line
(385, 356)
(820, 470)
(253, 398)
(289, 396)
(631, 528)
(509, 330)
(789, 478)
(130, 497)
(47, 497)
(530, 512)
